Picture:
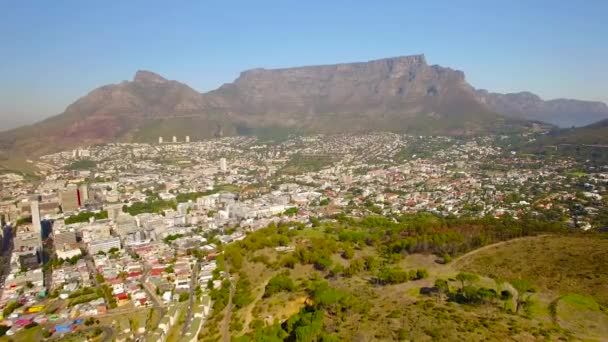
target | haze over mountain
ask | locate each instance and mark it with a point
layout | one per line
(396, 94)
(560, 112)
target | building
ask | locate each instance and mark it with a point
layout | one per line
(160, 140)
(84, 194)
(223, 166)
(70, 199)
(114, 211)
(63, 239)
(174, 139)
(104, 245)
(187, 138)
(36, 224)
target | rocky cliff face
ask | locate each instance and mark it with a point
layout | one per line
(560, 112)
(378, 86)
(397, 94)
(402, 93)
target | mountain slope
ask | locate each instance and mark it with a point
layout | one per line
(560, 112)
(594, 134)
(109, 113)
(397, 94)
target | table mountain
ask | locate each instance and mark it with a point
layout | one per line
(399, 94)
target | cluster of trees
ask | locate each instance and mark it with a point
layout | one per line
(85, 216)
(468, 293)
(278, 283)
(307, 325)
(429, 233)
(83, 164)
(10, 307)
(397, 275)
(152, 205)
(184, 296)
(171, 238)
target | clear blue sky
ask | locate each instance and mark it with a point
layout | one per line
(52, 52)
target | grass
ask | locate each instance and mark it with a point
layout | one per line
(582, 315)
(558, 265)
(19, 165)
(301, 164)
(32, 334)
(176, 329)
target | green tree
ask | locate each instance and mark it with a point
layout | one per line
(466, 278)
(443, 287)
(184, 296)
(524, 291)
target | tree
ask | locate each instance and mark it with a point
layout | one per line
(348, 252)
(422, 273)
(524, 290)
(184, 297)
(278, 283)
(99, 277)
(442, 286)
(466, 278)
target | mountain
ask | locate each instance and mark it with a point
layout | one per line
(594, 134)
(397, 94)
(112, 112)
(559, 112)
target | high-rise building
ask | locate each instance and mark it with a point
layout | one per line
(84, 194)
(36, 225)
(160, 140)
(70, 199)
(223, 166)
(187, 138)
(114, 211)
(174, 139)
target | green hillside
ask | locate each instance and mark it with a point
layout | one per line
(379, 279)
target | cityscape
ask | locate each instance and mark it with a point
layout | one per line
(125, 236)
(303, 171)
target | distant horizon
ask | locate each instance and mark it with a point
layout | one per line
(57, 54)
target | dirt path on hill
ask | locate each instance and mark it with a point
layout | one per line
(228, 314)
(456, 263)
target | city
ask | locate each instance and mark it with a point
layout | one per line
(120, 240)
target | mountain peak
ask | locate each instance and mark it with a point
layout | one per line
(144, 76)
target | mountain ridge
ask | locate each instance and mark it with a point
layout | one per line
(402, 93)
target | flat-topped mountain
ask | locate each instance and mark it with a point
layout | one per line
(398, 94)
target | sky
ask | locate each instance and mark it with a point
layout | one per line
(53, 52)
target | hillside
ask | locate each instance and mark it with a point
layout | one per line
(559, 112)
(397, 94)
(583, 143)
(403, 94)
(377, 279)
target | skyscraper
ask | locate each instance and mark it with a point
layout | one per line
(70, 199)
(36, 225)
(187, 138)
(174, 139)
(160, 140)
(223, 166)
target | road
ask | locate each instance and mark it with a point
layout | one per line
(227, 316)
(157, 302)
(193, 282)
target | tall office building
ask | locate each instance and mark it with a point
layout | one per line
(70, 199)
(160, 140)
(187, 138)
(174, 139)
(83, 191)
(223, 166)
(36, 224)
